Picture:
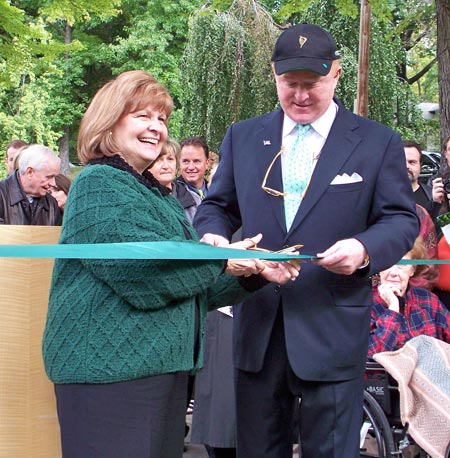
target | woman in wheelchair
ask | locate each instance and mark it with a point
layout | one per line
(401, 311)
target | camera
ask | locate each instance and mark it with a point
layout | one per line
(446, 183)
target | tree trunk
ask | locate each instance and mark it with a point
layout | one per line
(443, 53)
(362, 100)
(63, 144)
(64, 140)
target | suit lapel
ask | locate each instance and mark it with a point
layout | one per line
(340, 144)
(268, 141)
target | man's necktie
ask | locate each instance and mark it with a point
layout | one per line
(296, 173)
(201, 193)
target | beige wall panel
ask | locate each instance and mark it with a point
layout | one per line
(28, 422)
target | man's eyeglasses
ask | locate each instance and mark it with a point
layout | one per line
(274, 192)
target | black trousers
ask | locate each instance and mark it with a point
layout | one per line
(220, 452)
(330, 413)
(143, 418)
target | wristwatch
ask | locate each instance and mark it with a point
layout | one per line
(365, 262)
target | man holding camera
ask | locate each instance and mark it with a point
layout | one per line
(429, 197)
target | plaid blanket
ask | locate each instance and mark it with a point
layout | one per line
(422, 369)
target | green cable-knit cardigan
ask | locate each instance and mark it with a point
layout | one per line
(114, 320)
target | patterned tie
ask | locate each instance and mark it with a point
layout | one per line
(296, 174)
(201, 193)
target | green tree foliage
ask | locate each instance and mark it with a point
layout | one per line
(55, 54)
(24, 44)
(32, 120)
(75, 11)
(292, 10)
(153, 38)
(38, 85)
(225, 72)
(85, 43)
(213, 61)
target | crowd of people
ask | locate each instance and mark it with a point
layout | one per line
(25, 195)
(285, 349)
(432, 201)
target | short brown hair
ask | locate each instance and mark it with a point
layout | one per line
(196, 141)
(128, 92)
(16, 144)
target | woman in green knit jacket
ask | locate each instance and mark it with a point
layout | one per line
(122, 335)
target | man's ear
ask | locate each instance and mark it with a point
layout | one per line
(336, 69)
(29, 172)
(273, 69)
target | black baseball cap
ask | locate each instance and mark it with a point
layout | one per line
(304, 47)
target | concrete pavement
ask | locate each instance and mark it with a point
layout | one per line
(193, 450)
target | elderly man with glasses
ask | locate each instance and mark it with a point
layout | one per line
(310, 173)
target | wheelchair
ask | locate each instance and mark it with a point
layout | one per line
(382, 432)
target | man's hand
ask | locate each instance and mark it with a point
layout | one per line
(344, 257)
(438, 190)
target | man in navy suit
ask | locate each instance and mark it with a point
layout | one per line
(308, 339)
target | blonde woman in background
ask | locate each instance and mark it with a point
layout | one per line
(165, 168)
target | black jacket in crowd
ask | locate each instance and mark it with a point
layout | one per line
(15, 207)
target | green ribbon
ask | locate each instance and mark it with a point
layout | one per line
(157, 250)
(138, 250)
(424, 261)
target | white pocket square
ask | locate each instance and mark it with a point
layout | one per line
(346, 179)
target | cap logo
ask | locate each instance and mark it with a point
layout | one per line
(302, 40)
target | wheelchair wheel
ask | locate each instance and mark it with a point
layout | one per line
(376, 436)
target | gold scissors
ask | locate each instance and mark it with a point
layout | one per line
(288, 250)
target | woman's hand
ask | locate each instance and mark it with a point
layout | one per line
(390, 294)
(281, 272)
(278, 272)
(245, 267)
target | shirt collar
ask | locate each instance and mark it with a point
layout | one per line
(203, 188)
(321, 125)
(288, 125)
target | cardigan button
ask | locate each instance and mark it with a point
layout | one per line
(277, 288)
